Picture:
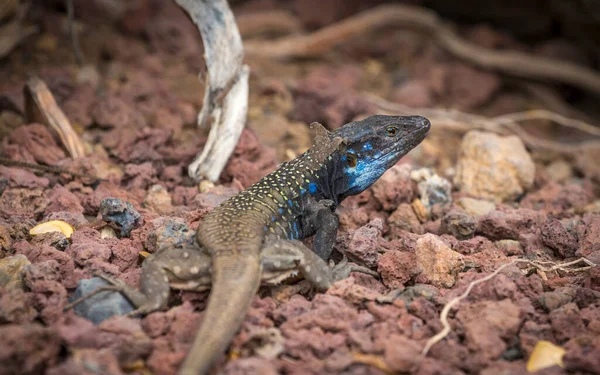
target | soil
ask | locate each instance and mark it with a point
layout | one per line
(428, 233)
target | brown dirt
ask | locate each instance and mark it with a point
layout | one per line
(135, 104)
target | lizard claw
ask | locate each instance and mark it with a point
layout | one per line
(109, 279)
(342, 269)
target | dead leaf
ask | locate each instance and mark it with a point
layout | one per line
(544, 355)
(53, 226)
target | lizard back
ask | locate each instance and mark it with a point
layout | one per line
(271, 205)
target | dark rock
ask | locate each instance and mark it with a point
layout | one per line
(556, 237)
(103, 305)
(121, 213)
(459, 225)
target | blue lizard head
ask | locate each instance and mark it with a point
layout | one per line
(373, 145)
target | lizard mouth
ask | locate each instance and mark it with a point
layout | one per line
(404, 145)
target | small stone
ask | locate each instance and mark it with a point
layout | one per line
(493, 167)
(363, 242)
(251, 365)
(402, 354)
(213, 197)
(510, 247)
(397, 268)
(590, 242)
(28, 348)
(510, 224)
(88, 74)
(38, 140)
(438, 263)
(16, 307)
(559, 170)
(592, 208)
(158, 200)
(169, 233)
(583, 355)
(556, 237)
(566, 322)
(205, 185)
(352, 292)
(433, 189)
(488, 325)
(475, 207)
(459, 225)
(553, 300)
(101, 306)
(394, 187)
(113, 112)
(420, 210)
(55, 239)
(404, 218)
(121, 213)
(5, 237)
(86, 361)
(11, 271)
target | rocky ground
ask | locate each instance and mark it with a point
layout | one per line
(453, 211)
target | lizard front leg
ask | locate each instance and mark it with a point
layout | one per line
(284, 256)
(322, 220)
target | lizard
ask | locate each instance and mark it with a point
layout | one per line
(255, 236)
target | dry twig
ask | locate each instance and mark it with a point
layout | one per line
(47, 168)
(543, 266)
(509, 62)
(12, 28)
(73, 33)
(458, 121)
(272, 21)
(41, 107)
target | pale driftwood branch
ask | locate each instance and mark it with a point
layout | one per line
(509, 62)
(226, 94)
(41, 107)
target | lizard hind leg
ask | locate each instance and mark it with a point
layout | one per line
(278, 255)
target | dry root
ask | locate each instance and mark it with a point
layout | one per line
(454, 120)
(512, 63)
(541, 266)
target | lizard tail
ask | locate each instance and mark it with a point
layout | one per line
(235, 281)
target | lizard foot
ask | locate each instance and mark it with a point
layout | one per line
(116, 286)
(138, 299)
(109, 279)
(342, 270)
(106, 288)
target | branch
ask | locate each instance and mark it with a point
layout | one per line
(508, 62)
(41, 107)
(226, 94)
(458, 121)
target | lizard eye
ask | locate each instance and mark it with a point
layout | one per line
(351, 159)
(391, 131)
